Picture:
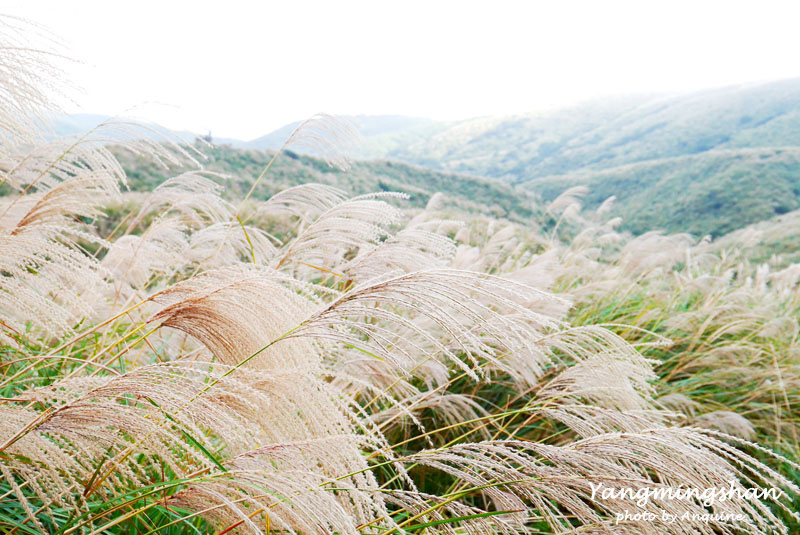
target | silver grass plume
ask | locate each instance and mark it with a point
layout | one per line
(314, 350)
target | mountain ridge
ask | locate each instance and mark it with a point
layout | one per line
(706, 162)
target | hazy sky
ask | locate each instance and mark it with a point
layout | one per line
(242, 69)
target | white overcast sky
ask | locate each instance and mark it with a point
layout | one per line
(242, 69)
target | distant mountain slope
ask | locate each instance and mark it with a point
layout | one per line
(713, 192)
(78, 124)
(707, 163)
(382, 133)
(461, 192)
(612, 132)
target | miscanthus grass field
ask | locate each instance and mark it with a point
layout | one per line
(320, 363)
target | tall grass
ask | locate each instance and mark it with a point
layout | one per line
(320, 364)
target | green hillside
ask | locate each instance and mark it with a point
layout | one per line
(714, 192)
(609, 133)
(705, 163)
(461, 192)
(381, 133)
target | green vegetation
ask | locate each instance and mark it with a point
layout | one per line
(242, 167)
(711, 193)
(613, 132)
(258, 347)
(705, 163)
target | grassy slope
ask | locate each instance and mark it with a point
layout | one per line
(705, 163)
(681, 163)
(776, 239)
(472, 194)
(614, 132)
(714, 192)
